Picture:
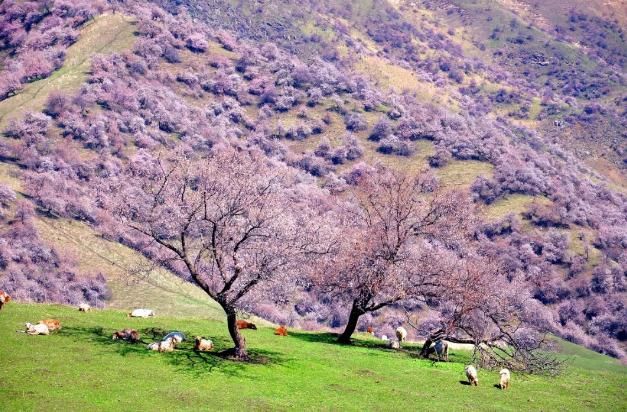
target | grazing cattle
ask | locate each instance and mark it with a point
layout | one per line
(370, 331)
(178, 337)
(84, 307)
(129, 335)
(401, 334)
(167, 345)
(441, 350)
(394, 344)
(243, 324)
(281, 331)
(202, 344)
(38, 329)
(52, 324)
(505, 378)
(141, 313)
(471, 374)
(4, 298)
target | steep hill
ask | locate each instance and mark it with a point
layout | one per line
(520, 105)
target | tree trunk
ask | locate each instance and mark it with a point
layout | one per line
(353, 318)
(239, 350)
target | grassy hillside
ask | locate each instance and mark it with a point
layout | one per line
(106, 34)
(82, 369)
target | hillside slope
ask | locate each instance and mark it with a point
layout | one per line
(487, 97)
(81, 368)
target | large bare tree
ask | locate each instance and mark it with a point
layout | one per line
(229, 219)
(389, 223)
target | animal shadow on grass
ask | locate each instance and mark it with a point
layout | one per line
(184, 357)
(497, 386)
(465, 383)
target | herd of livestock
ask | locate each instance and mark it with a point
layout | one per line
(202, 344)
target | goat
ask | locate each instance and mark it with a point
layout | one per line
(4, 298)
(38, 329)
(129, 335)
(52, 324)
(505, 378)
(202, 344)
(281, 331)
(84, 307)
(244, 324)
(167, 345)
(178, 337)
(141, 313)
(441, 350)
(401, 334)
(471, 374)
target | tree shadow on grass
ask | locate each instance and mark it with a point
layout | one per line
(184, 357)
(331, 339)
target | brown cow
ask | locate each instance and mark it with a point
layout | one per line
(281, 331)
(4, 298)
(243, 324)
(370, 330)
(53, 324)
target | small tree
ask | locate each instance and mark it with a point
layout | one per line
(391, 220)
(228, 219)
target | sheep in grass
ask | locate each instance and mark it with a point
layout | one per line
(202, 344)
(178, 337)
(394, 344)
(141, 313)
(505, 378)
(84, 307)
(471, 374)
(38, 329)
(384, 337)
(163, 346)
(441, 350)
(401, 334)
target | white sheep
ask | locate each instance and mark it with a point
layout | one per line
(202, 344)
(384, 337)
(505, 377)
(38, 329)
(167, 345)
(394, 344)
(141, 313)
(471, 374)
(401, 334)
(84, 307)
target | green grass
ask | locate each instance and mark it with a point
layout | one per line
(463, 172)
(514, 204)
(105, 34)
(133, 281)
(80, 368)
